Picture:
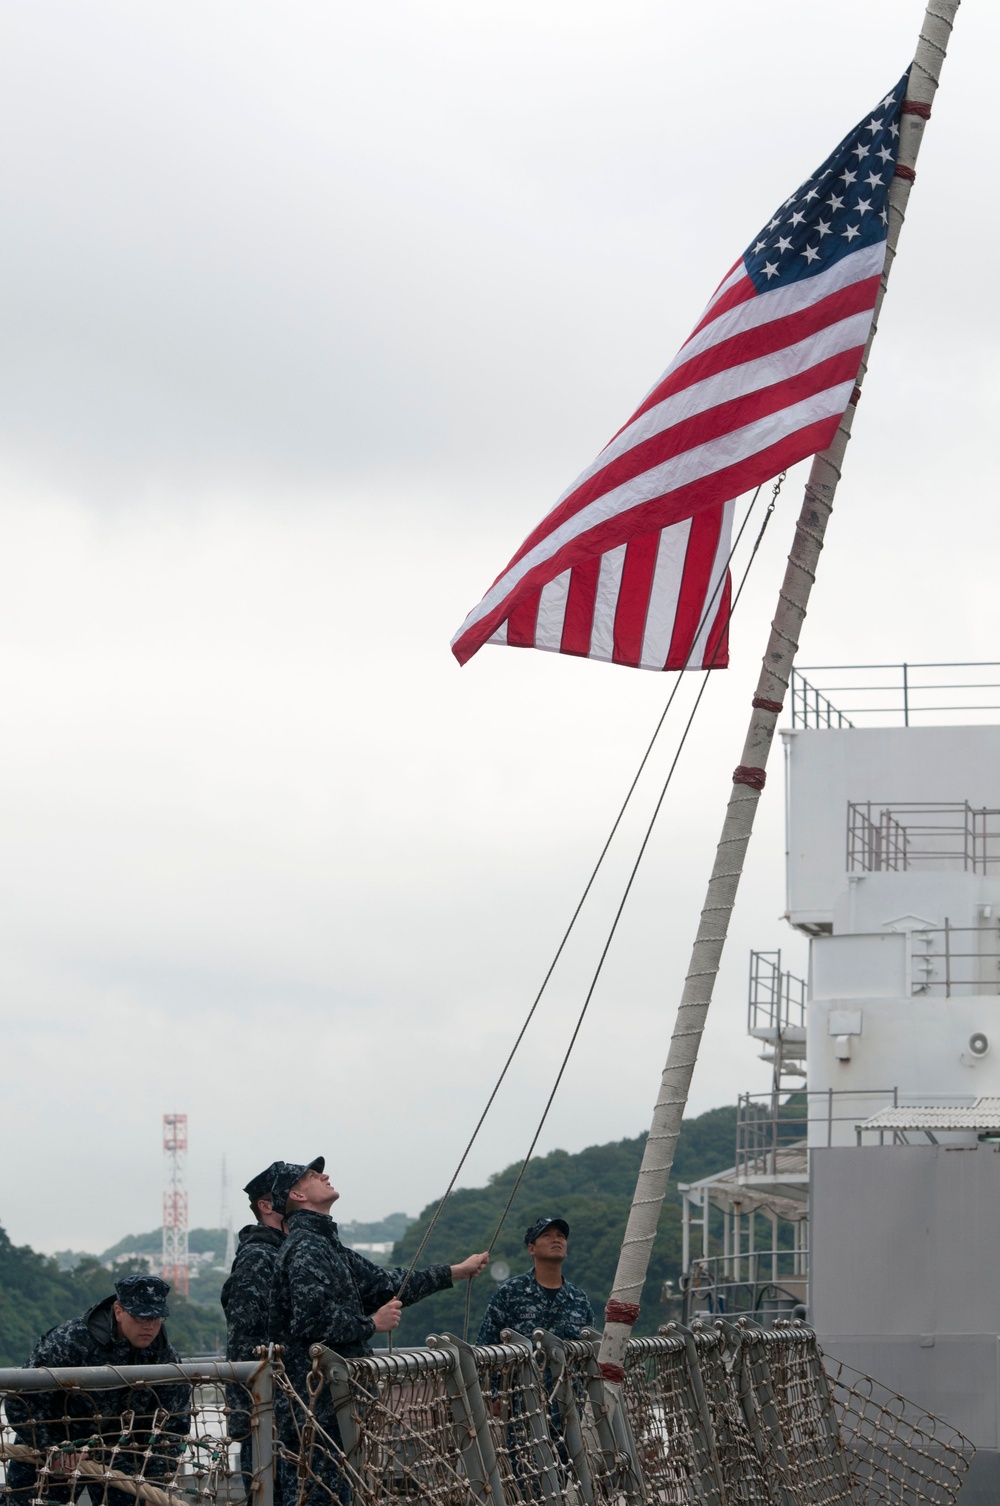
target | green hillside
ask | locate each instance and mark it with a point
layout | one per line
(213, 1241)
(592, 1190)
(199, 1241)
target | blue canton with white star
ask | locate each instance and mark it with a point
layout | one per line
(843, 206)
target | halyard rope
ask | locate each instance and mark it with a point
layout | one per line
(776, 487)
(635, 867)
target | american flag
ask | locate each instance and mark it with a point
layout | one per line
(630, 566)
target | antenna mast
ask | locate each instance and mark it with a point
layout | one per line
(175, 1204)
(226, 1217)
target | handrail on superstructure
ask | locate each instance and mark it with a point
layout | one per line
(811, 692)
(932, 834)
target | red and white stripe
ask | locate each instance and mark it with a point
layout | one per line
(761, 383)
(659, 602)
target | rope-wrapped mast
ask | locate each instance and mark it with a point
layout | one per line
(748, 779)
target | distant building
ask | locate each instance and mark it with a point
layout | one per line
(377, 1250)
(133, 1256)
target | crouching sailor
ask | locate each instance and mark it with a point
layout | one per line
(138, 1430)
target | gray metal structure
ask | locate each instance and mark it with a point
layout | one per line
(871, 1193)
(918, 1304)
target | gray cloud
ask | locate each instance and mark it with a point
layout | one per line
(308, 316)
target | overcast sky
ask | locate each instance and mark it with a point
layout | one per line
(309, 312)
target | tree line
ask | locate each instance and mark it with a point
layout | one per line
(592, 1190)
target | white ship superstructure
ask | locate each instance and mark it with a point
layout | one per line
(866, 1188)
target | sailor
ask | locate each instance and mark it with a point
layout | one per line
(540, 1298)
(325, 1293)
(139, 1430)
(244, 1298)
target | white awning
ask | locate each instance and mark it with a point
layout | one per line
(982, 1115)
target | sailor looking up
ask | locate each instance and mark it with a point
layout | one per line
(325, 1293)
(245, 1298)
(541, 1298)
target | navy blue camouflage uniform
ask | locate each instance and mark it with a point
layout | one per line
(325, 1293)
(245, 1297)
(523, 1305)
(42, 1419)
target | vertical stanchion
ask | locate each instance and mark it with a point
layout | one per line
(262, 1435)
(536, 1409)
(337, 1374)
(565, 1399)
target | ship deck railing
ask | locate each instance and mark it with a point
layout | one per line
(712, 1414)
(769, 1124)
(948, 836)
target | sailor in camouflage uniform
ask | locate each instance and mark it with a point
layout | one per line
(540, 1298)
(245, 1297)
(124, 1329)
(325, 1293)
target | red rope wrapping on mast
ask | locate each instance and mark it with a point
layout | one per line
(911, 107)
(622, 1312)
(759, 704)
(755, 778)
(613, 1373)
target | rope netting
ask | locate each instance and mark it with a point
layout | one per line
(524, 1424)
(899, 1455)
(373, 1430)
(165, 1441)
(675, 1446)
(602, 1461)
(739, 1448)
(785, 1375)
(712, 1416)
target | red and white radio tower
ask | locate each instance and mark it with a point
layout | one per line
(175, 1204)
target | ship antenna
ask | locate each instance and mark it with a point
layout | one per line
(226, 1217)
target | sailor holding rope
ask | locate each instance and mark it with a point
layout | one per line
(137, 1430)
(325, 1293)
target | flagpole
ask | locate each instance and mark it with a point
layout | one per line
(622, 1309)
